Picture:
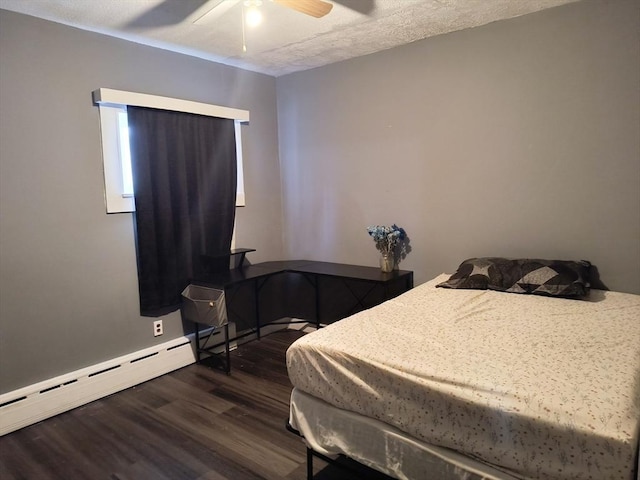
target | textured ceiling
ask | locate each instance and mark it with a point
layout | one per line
(286, 41)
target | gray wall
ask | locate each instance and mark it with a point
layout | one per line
(520, 138)
(68, 284)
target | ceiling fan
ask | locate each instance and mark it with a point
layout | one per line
(214, 9)
(205, 12)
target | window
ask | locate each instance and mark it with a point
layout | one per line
(118, 182)
(118, 197)
(125, 153)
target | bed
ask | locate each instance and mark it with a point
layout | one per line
(474, 381)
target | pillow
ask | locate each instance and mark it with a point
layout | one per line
(556, 278)
(475, 273)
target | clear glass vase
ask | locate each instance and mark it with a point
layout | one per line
(387, 262)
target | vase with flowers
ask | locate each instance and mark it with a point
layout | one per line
(390, 242)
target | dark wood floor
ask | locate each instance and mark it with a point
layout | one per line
(195, 423)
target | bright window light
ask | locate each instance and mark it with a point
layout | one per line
(125, 154)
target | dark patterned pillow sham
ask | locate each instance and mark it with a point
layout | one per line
(557, 278)
(475, 273)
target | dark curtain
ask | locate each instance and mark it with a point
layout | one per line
(184, 174)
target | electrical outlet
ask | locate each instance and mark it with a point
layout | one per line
(157, 328)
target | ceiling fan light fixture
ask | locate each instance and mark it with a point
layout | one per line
(252, 15)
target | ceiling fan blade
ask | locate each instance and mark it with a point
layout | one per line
(315, 8)
(211, 11)
(167, 13)
(365, 7)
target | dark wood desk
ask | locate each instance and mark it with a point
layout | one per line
(321, 292)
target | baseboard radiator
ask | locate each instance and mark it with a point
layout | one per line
(42, 400)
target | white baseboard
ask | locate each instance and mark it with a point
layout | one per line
(42, 400)
(31, 404)
(307, 327)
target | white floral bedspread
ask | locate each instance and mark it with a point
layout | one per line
(540, 387)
